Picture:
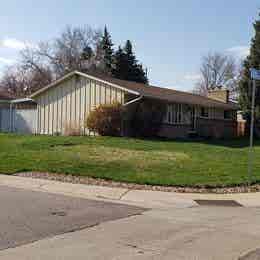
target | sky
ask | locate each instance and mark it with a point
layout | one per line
(170, 36)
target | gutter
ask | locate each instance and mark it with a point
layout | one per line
(133, 101)
(5, 101)
(21, 100)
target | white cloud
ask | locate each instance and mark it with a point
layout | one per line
(13, 43)
(191, 77)
(6, 61)
(239, 51)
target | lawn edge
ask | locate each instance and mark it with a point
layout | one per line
(70, 178)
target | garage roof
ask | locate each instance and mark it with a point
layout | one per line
(4, 96)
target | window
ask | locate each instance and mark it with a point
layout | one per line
(204, 112)
(227, 114)
(174, 114)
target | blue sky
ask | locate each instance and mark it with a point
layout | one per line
(169, 36)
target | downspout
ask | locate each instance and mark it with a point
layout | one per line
(125, 105)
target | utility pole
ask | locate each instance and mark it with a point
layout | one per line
(250, 154)
(255, 75)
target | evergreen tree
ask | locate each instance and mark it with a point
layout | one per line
(127, 66)
(135, 70)
(120, 69)
(87, 53)
(107, 49)
(245, 84)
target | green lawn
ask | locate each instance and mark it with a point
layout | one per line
(182, 163)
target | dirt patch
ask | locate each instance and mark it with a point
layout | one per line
(112, 154)
(132, 186)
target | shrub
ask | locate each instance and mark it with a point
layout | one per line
(147, 120)
(72, 129)
(106, 120)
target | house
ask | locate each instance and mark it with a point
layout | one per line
(69, 100)
(4, 99)
(4, 110)
(17, 115)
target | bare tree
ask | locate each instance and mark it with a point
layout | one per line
(217, 71)
(75, 49)
(19, 81)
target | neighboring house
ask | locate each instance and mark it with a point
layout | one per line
(69, 100)
(17, 115)
(4, 99)
(4, 111)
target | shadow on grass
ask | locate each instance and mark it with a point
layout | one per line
(229, 143)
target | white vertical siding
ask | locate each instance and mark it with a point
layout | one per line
(70, 103)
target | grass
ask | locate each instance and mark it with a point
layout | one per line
(182, 163)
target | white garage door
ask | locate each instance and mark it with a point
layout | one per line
(5, 120)
(23, 121)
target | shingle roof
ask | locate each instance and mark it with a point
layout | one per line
(167, 94)
(148, 91)
(4, 95)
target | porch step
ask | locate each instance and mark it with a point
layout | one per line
(192, 134)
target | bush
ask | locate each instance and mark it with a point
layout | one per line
(106, 120)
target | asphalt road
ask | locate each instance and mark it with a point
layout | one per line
(27, 216)
(173, 228)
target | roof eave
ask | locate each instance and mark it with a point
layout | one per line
(71, 74)
(219, 105)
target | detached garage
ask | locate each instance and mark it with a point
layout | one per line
(17, 115)
(23, 116)
(4, 112)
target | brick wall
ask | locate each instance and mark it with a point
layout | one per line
(216, 128)
(174, 131)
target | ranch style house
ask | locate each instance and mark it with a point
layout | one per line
(69, 100)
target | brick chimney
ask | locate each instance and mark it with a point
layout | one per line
(221, 95)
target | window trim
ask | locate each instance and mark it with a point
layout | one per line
(174, 114)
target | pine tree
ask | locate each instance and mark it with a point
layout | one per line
(252, 61)
(107, 49)
(126, 65)
(87, 53)
(120, 69)
(135, 70)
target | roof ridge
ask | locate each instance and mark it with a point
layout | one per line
(163, 88)
(146, 90)
(155, 87)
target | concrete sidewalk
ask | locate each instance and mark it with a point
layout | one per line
(144, 198)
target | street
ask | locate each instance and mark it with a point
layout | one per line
(28, 216)
(41, 225)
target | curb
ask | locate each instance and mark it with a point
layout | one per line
(144, 198)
